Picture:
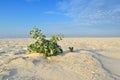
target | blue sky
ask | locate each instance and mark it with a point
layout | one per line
(74, 18)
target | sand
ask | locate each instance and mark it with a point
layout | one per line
(92, 59)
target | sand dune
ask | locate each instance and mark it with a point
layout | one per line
(92, 59)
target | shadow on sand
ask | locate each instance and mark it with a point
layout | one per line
(102, 60)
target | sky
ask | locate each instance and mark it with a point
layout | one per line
(73, 18)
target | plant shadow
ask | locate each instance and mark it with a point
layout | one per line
(96, 51)
(68, 51)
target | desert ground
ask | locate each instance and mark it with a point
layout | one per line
(92, 59)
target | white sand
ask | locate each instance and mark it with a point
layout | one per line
(92, 59)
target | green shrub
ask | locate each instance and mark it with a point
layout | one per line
(71, 49)
(44, 46)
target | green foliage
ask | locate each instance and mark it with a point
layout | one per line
(71, 49)
(44, 46)
(55, 38)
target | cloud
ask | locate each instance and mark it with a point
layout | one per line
(53, 12)
(92, 11)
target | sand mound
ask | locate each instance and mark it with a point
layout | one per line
(72, 66)
(15, 64)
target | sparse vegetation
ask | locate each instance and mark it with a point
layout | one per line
(71, 49)
(43, 45)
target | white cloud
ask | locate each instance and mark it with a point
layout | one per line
(53, 12)
(92, 11)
